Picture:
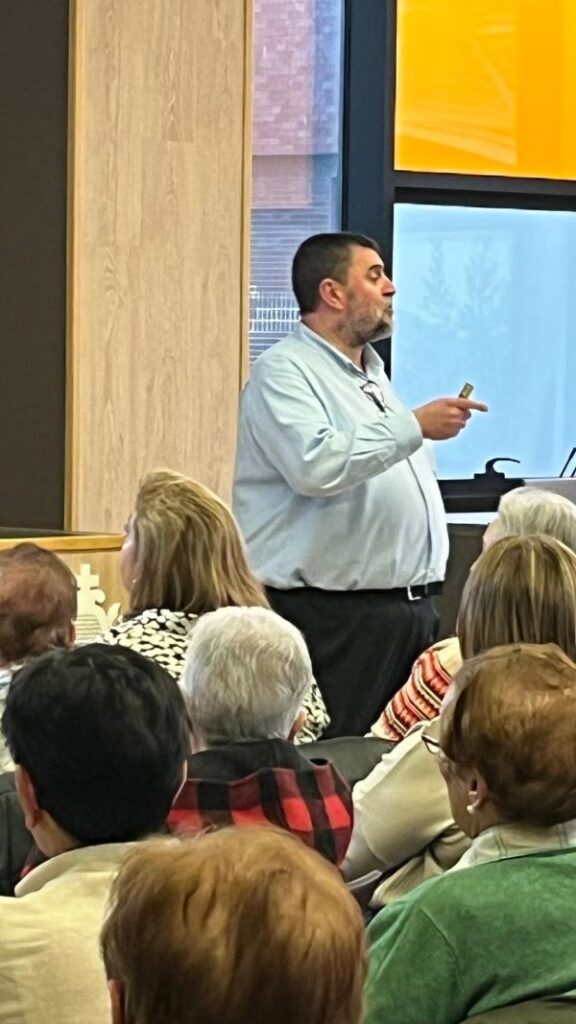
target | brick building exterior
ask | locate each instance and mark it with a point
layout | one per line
(296, 133)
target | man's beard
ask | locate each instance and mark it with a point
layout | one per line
(364, 334)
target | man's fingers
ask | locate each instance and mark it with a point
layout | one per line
(467, 403)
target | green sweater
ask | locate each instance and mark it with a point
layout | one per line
(475, 939)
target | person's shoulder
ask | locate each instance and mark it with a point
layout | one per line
(120, 630)
(289, 352)
(408, 754)
(448, 654)
(151, 622)
(476, 889)
(439, 899)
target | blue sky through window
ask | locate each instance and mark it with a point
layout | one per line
(488, 296)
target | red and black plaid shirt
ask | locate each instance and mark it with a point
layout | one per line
(267, 782)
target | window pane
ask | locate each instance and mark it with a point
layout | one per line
(296, 143)
(488, 296)
(487, 87)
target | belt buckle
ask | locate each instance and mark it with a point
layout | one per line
(411, 596)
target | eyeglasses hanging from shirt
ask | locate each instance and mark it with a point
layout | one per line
(375, 394)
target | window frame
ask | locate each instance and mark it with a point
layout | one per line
(371, 185)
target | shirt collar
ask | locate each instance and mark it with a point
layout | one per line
(372, 361)
(82, 859)
(502, 841)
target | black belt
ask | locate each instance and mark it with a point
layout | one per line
(416, 592)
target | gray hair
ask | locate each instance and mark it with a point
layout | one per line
(527, 510)
(246, 675)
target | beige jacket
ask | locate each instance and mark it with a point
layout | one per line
(402, 820)
(50, 966)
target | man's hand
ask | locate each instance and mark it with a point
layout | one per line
(445, 417)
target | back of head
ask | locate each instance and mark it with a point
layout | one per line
(246, 676)
(239, 925)
(102, 733)
(323, 256)
(521, 589)
(189, 552)
(527, 510)
(513, 717)
(38, 603)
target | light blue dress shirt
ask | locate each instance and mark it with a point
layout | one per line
(330, 491)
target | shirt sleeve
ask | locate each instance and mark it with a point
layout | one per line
(290, 424)
(403, 939)
(402, 806)
(359, 859)
(420, 698)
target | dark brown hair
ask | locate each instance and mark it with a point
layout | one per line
(324, 256)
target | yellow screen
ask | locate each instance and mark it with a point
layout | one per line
(487, 87)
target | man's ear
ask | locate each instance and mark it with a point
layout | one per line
(27, 797)
(331, 293)
(299, 723)
(116, 993)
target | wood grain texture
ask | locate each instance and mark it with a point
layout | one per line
(60, 544)
(158, 268)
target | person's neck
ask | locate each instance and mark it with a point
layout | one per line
(337, 336)
(52, 840)
(488, 817)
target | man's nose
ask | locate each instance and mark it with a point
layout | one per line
(388, 286)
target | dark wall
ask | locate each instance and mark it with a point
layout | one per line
(465, 548)
(33, 154)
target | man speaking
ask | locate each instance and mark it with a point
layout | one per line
(334, 488)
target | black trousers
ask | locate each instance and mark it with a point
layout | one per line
(362, 644)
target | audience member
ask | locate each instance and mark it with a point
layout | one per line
(99, 738)
(522, 511)
(497, 929)
(236, 925)
(246, 679)
(522, 589)
(38, 605)
(183, 556)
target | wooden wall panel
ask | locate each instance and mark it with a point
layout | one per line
(159, 211)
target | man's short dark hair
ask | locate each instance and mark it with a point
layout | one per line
(38, 602)
(322, 256)
(102, 732)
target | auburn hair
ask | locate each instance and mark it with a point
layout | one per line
(512, 718)
(38, 602)
(241, 924)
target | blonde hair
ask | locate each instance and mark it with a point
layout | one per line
(190, 555)
(512, 718)
(521, 590)
(243, 924)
